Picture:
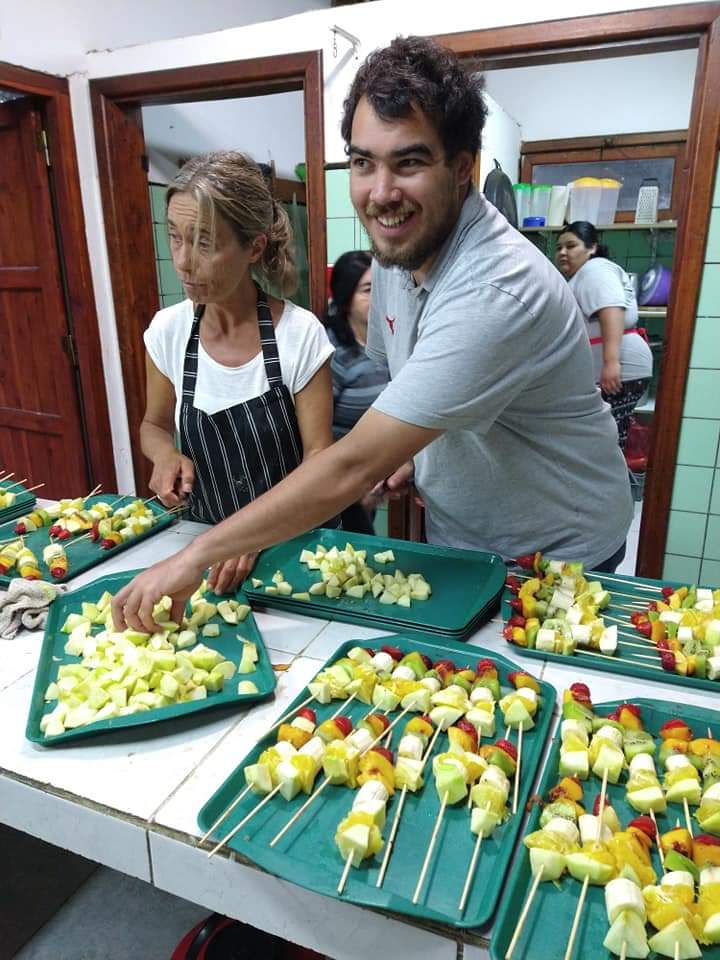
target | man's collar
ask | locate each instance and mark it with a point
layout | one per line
(471, 209)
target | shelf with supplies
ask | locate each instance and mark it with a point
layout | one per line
(659, 225)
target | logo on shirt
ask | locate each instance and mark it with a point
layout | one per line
(391, 323)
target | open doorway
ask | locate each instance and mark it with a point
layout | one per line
(121, 106)
(270, 129)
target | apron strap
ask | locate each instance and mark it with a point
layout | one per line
(191, 357)
(268, 343)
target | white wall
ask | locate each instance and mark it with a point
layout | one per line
(56, 35)
(375, 24)
(269, 128)
(594, 97)
(500, 141)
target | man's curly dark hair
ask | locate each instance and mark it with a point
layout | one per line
(417, 72)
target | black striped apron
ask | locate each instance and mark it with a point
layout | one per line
(241, 452)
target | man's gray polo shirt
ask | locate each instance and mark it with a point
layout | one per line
(491, 349)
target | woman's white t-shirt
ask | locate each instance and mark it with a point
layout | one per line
(303, 347)
(601, 283)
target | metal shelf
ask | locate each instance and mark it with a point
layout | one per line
(660, 225)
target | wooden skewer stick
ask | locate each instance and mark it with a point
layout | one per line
(677, 950)
(605, 656)
(17, 483)
(631, 583)
(646, 656)
(224, 815)
(576, 921)
(7, 476)
(601, 806)
(625, 606)
(398, 812)
(516, 786)
(523, 916)
(346, 871)
(431, 847)
(36, 487)
(287, 716)
(470, 874)
(623, 950)
(95, 489)
(244, 820)
(640, 646)
(657, 840)
(688, 821)
(296, 816)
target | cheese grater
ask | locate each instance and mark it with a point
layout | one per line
(647, 201)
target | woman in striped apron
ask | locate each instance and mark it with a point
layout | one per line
(238, 382)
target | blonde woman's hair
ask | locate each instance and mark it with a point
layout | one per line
(230, 184)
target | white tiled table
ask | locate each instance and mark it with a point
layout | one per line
(130, 800)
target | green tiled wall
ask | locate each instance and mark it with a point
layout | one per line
(344, 230)
(170, 288)
(693, 545)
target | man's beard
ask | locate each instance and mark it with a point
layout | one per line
(415, 255)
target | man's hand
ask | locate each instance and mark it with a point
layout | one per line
(178, 577)
(610, 377)
(396, 485)
(227, 576)
(172, 478)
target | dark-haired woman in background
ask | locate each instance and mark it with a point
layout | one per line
(357, 380)
(606, 297)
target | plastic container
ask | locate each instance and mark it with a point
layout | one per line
(540, 202)
(558, 206)
(608, 201)
(523, 200)
(585, 200)
(533, 222)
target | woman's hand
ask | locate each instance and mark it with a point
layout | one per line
(178, 577)
(172, 478)
(227, 576)
(610, 377)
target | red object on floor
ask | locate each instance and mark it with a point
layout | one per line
(637, 446)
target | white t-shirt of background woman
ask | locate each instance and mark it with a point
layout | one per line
(303, 347)
(602, 283)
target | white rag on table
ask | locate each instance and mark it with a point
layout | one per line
(25, 604)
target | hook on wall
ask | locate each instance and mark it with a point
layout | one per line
(351, 38)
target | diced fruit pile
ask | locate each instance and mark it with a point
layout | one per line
(125, 672)
(558, 609)
(346, 572)
(685, 625)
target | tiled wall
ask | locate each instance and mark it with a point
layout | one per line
(693, 544)
(344, 230)
(170, 288)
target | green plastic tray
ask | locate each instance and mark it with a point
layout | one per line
(23, 504)
(640, 667)
(307, 854)
(465, 584)
(548, 924)
(86, 554)
(52, 656)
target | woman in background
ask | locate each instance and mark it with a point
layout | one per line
(357, 380)
(238, 381)
(606, 297)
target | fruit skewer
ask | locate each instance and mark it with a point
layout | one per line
(408, 771)
(279, 770)
(249, 786)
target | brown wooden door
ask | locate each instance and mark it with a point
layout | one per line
(128, 219)
(41, 434)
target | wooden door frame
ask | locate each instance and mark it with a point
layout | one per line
(701, 19)
(237, 78)
(55, 101)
